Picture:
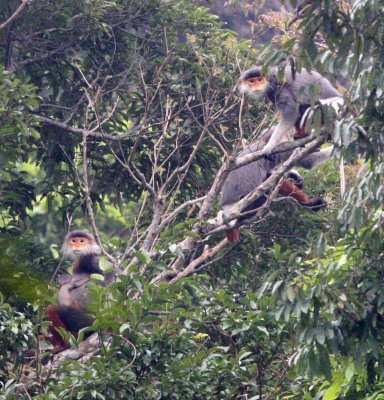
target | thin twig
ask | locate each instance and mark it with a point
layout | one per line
(15, 15)
(87, 195)
(178, 210)
(190, 269)
(97, 135)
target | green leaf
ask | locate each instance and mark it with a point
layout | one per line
(124, 327)
(320, 335)
(244, 354)
(276, 286)
(105, 264)
(350, 371)
(290, 294)
(263, 329)
(143, 257)
(334, 390)
(97, 277)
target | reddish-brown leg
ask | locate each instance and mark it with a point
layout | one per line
(232, 235)
(54, 337)
(289, 189)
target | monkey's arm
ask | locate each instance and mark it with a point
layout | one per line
(315, 158)
(289, 113)
(80, 280)
(72, 281)
(73, 293)
(64, 279)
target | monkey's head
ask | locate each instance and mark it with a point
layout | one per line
(253, 83)
(78, 243)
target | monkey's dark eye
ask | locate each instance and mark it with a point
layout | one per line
(82, 240)
(257, 79)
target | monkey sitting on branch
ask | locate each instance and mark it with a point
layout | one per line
(247, 178)
(71, 311)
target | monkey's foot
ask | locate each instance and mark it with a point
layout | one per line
(315, 204)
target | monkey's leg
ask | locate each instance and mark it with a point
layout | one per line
(280, 133)
(287, 108)
(75, 319)
(232, 234)
(53, 315)
(300, 131)
(289, 189)
(69, 318)
(306, 112)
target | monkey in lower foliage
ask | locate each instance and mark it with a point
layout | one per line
(295, 97)
(245, 179)
(71, 311)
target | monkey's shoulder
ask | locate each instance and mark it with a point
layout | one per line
(302, 81)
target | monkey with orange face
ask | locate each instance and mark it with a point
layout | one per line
(291, 96)
(295, 97)
(71, 311)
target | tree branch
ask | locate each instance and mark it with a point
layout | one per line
(15, 15)
(178, 210)
(207, 253)
(97, 135)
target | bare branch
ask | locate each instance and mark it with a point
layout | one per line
(97, 135)
(45, 56)
(186, 165)
(15, 15)
(208, 253)
(88, 201)
(86, 187)
(178, 210)
(282, 148)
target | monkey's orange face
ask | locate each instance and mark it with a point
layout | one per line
(255, 86)
(76, 246)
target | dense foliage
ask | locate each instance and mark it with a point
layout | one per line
(115, 117)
